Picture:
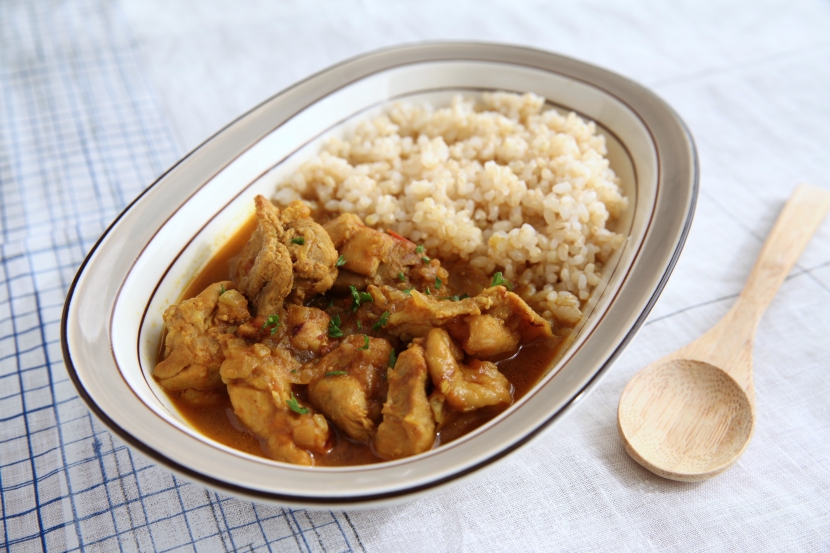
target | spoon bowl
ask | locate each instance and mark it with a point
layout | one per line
(702, 425)
(690, 415)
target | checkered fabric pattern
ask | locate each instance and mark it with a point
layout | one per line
(81, 134)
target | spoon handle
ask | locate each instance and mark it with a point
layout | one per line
(795, 226)
(729, 343)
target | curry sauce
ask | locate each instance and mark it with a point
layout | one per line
(217, 421)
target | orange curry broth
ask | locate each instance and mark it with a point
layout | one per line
(217, 422)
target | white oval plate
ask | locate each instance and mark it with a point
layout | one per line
(112, 323)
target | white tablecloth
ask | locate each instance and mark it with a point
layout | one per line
(96, 99)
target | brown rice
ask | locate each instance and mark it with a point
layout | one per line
(498, 182)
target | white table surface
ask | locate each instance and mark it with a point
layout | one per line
(752, 81)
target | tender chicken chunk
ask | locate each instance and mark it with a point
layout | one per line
(484, 335)
(516, 314)
(260, 391)
(348, 385)
(378, 256)
(196, 331)
(408, 426)
(312, 253)
(413, 314)
(264, 269)
(491, 323)
(308, 329)
(465, 388)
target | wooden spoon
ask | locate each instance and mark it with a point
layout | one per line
(690, 415)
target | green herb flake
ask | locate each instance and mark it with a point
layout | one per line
(331, 303)
(419, 249)
(463, 296)
(336, 373)
(498, 280)
(438, 283)
(341, 261)
(222, 289)
(334, 327)
(359, 324)
(359, 298)
(365, 342)
(425, 259)
(274, 322)
(427, 292)
(393, 358)
(298, 240)
(407, 291)
(452, 298)
(355, 298)
(382, 321)
(295, 406)
(401, 277)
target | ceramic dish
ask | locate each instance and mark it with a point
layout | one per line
(112, 321)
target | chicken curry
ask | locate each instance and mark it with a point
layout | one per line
(339, 344)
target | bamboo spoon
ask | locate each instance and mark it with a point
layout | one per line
(690, 415)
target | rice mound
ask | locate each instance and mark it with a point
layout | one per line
(497, 182)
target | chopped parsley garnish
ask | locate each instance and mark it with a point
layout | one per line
(299, 240)
(427, 292)
(407, 291)
(359, 324)
(274, 322)
(452, 298)
(341, 261)
(359, 298)
(295, 406)
(419, 249)
(222, 289)
(382, 321)
(334, 327)
(365, 342)
(498, 280)
(336, 373)
(401, 277)
(425, 259)
(331, 303)
(463, 296)
(393, 358)
(438, 283)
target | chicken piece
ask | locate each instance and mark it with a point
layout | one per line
(308, 330)
(262, 398)
(348, 385)
(264, 269)
(408, 426)
(368, 252)
(196, 331)
(342, 228)
(312, 253)
(466, 388)
(413, 314)
(492, 323)
(484, 335)
(516, 314)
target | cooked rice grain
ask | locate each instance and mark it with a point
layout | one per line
(498, 182)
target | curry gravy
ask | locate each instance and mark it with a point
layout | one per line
(218, 422)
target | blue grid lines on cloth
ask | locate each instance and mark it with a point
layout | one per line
(81, 134)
